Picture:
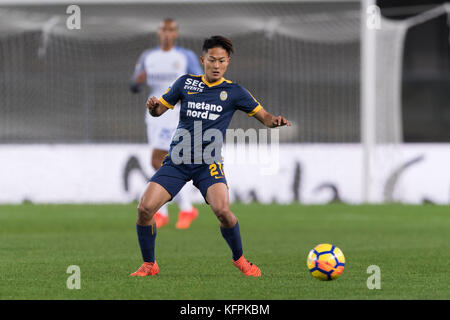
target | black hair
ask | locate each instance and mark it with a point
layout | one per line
(218, 41)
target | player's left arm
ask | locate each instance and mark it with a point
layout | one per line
(269, 120)
(247, 103)
(193, 64)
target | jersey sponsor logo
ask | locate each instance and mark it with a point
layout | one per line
(213, 116)
(194, 85)
(203, 110)
(190, 92)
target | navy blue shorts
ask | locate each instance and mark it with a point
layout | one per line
(173, 177)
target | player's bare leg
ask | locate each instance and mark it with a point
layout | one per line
(162, 215)
(218, 199)
(187, 212)
(151, 200)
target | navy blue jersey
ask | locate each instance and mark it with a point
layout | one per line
(206, 105)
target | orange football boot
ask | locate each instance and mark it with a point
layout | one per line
(185, 218)
(161, 220)
(147, 269)
(247, 268)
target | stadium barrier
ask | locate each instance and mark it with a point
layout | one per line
(306, 173)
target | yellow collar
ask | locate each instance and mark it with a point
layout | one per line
(214, 83)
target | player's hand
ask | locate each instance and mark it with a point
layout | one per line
(280, 121)
(152, 104)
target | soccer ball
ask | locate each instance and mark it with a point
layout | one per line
(326, 262)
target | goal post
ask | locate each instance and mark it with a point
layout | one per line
(382, 51)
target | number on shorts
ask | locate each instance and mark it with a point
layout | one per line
(213, 169)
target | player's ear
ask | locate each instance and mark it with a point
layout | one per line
(202, 60)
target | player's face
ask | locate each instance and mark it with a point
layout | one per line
(167, 34)
(215, 62)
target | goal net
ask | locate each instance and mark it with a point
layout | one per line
(382, 134)
(298, 59)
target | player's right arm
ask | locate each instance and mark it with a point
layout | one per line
(139, 76)
(157, 107)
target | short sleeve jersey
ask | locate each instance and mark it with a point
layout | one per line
(206, 106)
(162, 69)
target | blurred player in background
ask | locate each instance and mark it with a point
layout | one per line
(159, 68)
(208, 101)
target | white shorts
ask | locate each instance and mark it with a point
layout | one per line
(160, 137)
(160, 130)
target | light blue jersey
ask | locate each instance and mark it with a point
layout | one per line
(162, 68)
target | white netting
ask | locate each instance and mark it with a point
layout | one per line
(59, 85)
(383, 135)
(389, 46)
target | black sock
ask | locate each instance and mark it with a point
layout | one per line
(146, 238)
(233, 238)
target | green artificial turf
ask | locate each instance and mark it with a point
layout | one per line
(410, 244)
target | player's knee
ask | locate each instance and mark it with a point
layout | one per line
(145, 212)
(222, 212)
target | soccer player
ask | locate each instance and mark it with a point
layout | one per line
(207, 101)
(160, 67)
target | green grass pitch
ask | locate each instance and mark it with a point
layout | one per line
(410, 244)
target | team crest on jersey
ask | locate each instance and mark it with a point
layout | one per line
(223, 95)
